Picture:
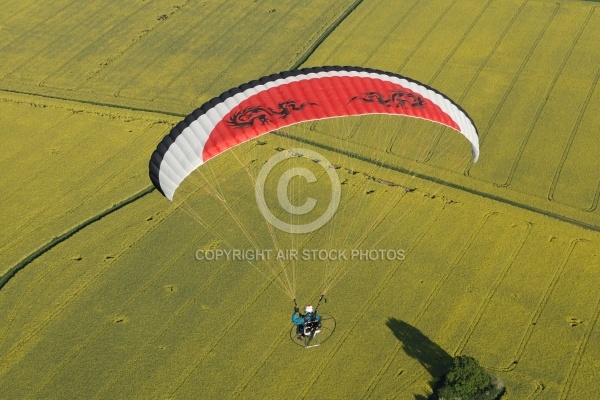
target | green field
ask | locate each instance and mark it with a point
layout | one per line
(100, 292)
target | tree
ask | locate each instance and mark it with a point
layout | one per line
(467, 380)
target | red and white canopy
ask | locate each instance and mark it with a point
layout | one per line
(291, 97)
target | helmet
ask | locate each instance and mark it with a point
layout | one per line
(308, 309)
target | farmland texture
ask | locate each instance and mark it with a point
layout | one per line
(102, 295)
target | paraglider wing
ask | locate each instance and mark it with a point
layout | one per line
(291, 97)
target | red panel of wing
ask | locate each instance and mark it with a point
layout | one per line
(317, 98)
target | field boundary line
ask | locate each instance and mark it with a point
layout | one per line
(452, 185)
(75, 290)
(61, 238)
(86, 197)
(181, 308)
(366, 16)
(93, 103)
(344, 40)
(74, 351)
(89, 173)
(596, 199)
(304, 57)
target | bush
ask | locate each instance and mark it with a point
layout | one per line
(467, 380)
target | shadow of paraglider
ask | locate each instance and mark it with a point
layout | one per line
(430, 355)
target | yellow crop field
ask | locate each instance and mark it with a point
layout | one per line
(526, 71)
(102, 291)
(67, 163)
(148, 54)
